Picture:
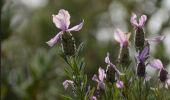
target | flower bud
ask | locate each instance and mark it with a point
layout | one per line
(141, 69)
(68, 44)
(139, 39)
(110, 74)
(163, 75)
(124, 58)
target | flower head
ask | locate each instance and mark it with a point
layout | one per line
(121, 37)
(163, 74)
(62, 21)
(102, 77)
(140, 23)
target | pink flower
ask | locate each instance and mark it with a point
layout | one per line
(102, 77)
(121, 37)
(119, 84)
(62, 21)
(66, 83)
(163, 74)
(141, 22)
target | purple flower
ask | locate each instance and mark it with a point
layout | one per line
(119, 84)
(156, 39)
(140, 23)
(62, 21)
(93, 98)
(122, 37)
(102, 77)
(163, 74)
(66, 83)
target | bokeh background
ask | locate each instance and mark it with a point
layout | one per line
(31, 70)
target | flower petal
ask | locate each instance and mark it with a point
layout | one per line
(120, 36)
(55, 39)
(77, 27)
(94, 78)
(156, 39)
(156, 63)
(142, 20)
(119, 84)
(107, 59)
(144, 54)
(62, 19)
(66, 83)
(101, 85)
(133, 20)
(102, 74)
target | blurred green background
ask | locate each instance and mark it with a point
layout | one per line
(31, 70)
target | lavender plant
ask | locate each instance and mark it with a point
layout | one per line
(120, 81)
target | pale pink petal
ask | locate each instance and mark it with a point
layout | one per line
(119, 84)
(168, 82)
(66, 83)
(167, 85)
(101, 85)
(102, 74)
(77, 27)
(94, 78)
(107, 59)
(120, 36)
(55, 39)
(156, 63)
(156, 39)
(62, 19)
(133, 20)
(142, 20)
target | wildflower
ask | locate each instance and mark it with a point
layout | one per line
(163, 74)
(107, 61)
(123, 39)
(100, 81)
(139, 33)
(66, 83)
(111, 70)
(142, 57)
(62, 21)
(119, 84)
